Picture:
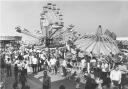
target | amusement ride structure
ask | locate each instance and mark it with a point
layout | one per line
(51, 21)
(53, 34)
(98, 43)
(52, 31)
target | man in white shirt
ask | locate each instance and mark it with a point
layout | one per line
(64, 65)
(34, 64)
(74, 61)
(53, 64)
(115, 76)
(25, 65)
(53, 61)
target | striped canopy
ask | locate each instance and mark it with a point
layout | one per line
(98, 43)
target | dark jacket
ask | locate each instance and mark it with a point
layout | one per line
(90, 84)
(16, 70)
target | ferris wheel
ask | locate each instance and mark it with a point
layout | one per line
(51, 21)
(51, 17)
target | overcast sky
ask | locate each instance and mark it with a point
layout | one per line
(85, 15)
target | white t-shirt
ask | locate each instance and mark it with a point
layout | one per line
(8, 62)
(20, 65)
(115, 75)
(83, 61)
(42, 56)
(64, 63)
(34, 60)
(26, 56)
(104, 67)
(6, 57)
(16, 56)
(16, 62)
(25, 66)
(30, 59)
(53, 61)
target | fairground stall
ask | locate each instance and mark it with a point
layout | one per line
(9, 42)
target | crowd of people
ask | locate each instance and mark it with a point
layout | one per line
(97, 74)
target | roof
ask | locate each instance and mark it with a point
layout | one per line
(122, 38)
(17, 38)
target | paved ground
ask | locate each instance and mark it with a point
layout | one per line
(35, 82)
(2, 78)
(58, 80)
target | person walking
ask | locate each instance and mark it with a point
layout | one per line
(78, 83)
(8, 65)
(16, 72)
(25, 65)
(23, 79)
(115, 76)
(64, 65)
(53, 64)
(34, 63)
(46, 81)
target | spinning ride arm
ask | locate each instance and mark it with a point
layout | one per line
(69, 28)
(26, 32)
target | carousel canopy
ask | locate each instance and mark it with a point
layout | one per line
(98, 43)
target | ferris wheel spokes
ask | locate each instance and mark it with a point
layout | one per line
(52, 14)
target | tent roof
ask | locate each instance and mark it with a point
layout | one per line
(98, 43)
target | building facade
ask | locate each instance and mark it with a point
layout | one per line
(9, 42)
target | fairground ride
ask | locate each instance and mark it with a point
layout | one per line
(51, 21)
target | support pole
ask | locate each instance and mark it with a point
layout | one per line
(88, 64)
(88, 67)
(49, 54)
